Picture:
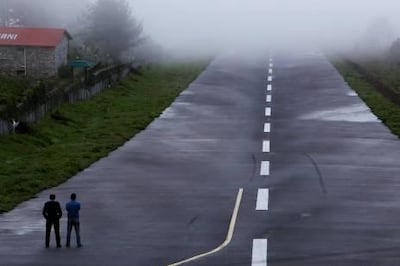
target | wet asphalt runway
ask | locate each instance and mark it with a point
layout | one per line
(169, 193)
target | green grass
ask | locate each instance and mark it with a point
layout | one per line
(383, 108)
(77, 135)
(387, 72)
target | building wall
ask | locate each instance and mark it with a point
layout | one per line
(40, 61)
(61, 53)
(11, 59)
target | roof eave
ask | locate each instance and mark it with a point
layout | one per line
(69, 36)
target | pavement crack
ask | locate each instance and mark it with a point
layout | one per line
(320, 177)
(193, 220)
(253, 156)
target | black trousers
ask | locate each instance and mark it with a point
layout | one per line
(49, 225)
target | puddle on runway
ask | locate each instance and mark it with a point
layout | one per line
(169, 113)
(172, 111)
(187, 92)
(24, 219)
(353, 113)
(352, 93)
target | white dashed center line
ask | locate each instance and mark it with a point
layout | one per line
(262, 199)
(259, 252)
(266, 147)
(267, 111)
(267, 127)
(259, 256)
(264, 168)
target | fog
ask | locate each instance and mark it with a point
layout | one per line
(42, 13)
(210, 26)
(198, 25)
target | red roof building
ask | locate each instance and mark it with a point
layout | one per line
(33, 52)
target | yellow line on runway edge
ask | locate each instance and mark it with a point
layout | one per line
(228, 237)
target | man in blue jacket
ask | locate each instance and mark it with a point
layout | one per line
(73, 208)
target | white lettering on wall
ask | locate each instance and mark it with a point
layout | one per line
(8, 36)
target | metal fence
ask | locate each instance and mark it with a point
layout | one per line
(33, 113)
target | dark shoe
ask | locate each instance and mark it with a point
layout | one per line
(80, 245)
(47, 246)
(58, 246)
(67, 246)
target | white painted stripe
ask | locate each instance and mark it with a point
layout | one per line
(269, 78)
(266, 147)
(259, 254)
(269, 87)
(270, 59)
(271, 65)
(269, 98)
(267, 111)
(264, 168)
(267, 127)
(228, 237)
(262, 199)
(270, 71)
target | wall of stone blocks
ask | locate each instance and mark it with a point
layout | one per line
(11, 60)
(61, 53)
(40, 61)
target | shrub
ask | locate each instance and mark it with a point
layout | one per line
(65, 72)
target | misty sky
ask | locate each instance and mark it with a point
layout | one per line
(214, 23)
(196, 25)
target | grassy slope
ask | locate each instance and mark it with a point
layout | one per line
(387, 111)
(387, 72)
(80, 134)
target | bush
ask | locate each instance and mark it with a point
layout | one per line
(65, 72)
(394, 52)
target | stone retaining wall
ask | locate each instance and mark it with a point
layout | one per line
(36, 112)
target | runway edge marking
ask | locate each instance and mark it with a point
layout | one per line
(228, 237)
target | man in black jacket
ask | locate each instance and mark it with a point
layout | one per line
(52, 213)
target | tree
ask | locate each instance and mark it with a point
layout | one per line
(377, 37)
(112, 29)
(394, 52)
